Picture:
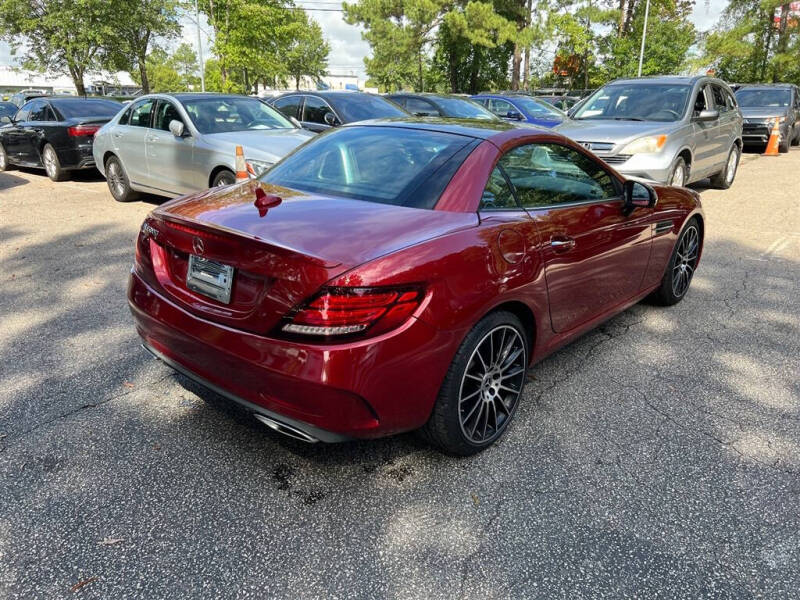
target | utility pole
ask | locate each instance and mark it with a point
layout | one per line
(200, 49)
(644, 36)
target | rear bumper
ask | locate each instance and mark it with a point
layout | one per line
(330, 392)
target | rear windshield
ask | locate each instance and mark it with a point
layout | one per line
(361, 107)
(376, 164)
(464, 109)
(71, 108)
(763, 98)
(636, 102)
(537, 108)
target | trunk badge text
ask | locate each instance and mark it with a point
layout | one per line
(198, 246)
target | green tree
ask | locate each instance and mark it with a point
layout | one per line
(184, 60)
(61, 36)
(136, 25)
(163, 76)
(307, 54)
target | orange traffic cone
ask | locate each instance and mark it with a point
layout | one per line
(241, 166)
(774, 140)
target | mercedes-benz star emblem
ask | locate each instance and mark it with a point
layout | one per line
(197, 245)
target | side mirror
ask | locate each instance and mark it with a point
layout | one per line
(176, 128)
(296, 123)
(330, 119)
(513, 114)
(707, 115)
(638, 195)
(6, 119)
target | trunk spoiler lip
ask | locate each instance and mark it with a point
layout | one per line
(168, 218)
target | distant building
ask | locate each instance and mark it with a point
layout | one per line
(326, 82)
(14, 79)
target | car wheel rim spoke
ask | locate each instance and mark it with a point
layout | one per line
(685, 261)
(492, 384)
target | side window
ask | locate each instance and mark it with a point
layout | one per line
(700, 103)
(38, 110)
(421, 108)
(314, 110)
(123, 120)
(551, 174)
(289, 106)
(22, 113)
(500, 107)
(719, 98)
(140, 113)
(166, 112)
(399, 100)
(730, 101)
(497, 194)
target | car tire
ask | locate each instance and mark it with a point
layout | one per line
(796, 139)
(118, 183)
(724, 179)
(51, 164)
(681, 266)
(5, 164)
(482, 388)
(679, 171)
(223, 178)
(783, 147)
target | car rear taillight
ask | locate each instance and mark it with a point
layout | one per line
(83, 130)
(351, 311)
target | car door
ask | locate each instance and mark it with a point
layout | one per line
(19, 144)
(595, 256)
(727, 125)
(129, 140)
(170, 159)
(42, 128)
(704, 135)
(313, 114)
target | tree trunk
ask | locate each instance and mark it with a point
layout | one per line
(297, 81)
(473, 71)
(246, 83)
(143, 75)
(452, 67)
(783, 39)
(527, 62)
(421, 82)
(623, 5)
(77, 78)
(515, 63)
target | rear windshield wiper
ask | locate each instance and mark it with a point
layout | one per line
(627, 119)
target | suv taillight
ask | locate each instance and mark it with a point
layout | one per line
(337, 312)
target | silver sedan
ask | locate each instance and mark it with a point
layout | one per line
(174, 144)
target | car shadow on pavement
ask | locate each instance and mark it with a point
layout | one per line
(9, 180)
(657, 455)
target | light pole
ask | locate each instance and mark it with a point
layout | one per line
(644, 36)
(200, 49)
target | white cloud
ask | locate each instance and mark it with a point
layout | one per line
(706, 13)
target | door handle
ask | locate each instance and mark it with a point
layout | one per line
(562, 243)
(117, 135)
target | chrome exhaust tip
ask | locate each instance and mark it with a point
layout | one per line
(287, 430)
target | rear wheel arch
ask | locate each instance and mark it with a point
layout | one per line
(524, 313)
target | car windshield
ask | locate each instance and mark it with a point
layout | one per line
(537, 108)
(7, 109)
(71, 108)
(763, 98)
(220, 115)
(360, 107)
(637, 102)
(376, 164)
(461, 108)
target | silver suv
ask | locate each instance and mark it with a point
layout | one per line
(672, 130)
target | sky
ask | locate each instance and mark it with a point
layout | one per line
(348, 49)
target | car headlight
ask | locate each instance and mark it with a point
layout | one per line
(257, 167)
(645, 145)
(772, 120)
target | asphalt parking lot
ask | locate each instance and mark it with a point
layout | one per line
(657, 457)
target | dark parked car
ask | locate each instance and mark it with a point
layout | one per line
(560, 102)
(521, 108)
(763, 106)
(8, 109)
(54, 133)
(318, 111)
(441, 105)
(404, 274)
(22, 97)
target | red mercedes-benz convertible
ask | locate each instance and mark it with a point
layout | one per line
(404, 274)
